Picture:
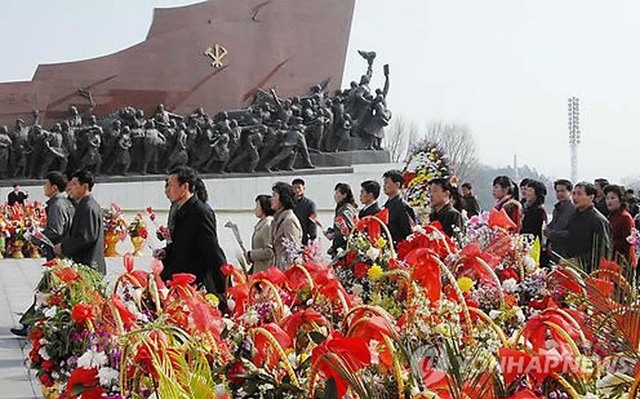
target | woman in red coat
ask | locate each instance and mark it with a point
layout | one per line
(621, 224)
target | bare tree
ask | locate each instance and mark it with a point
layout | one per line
(458, 143)
(400, 137)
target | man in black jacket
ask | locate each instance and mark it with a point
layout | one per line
(369, 193)
(469, 201)
(401, 215)
(563, 211)
(59, 212)
(442, 210)
(194, 247)
(304, 209)
(16, 196)
(589, 232)
(85, 241)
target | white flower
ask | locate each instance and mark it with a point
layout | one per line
(529, 263)
(251, 317)
(494, 314)
(43, 353)
(91, 359)
(373, 350)
(520, 316)
(107, 375)
(418, 229)
(510, 285)
(373, 253)
(231, 304)
(51, 312)
(220, 390)
(357, 290)
(42, 298)
(608, 384)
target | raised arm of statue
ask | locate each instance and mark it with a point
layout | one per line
(276, 99)
(385, 91)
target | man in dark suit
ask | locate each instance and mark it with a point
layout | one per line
(443, 211)
(59, 212)
(304, 209)
(369, 193)
(16, 196)
(402, 218)
(85, 241)
(194, 248)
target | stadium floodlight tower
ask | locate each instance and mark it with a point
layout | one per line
(574, 134)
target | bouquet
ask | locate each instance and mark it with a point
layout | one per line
(114, 222)
(138, 228)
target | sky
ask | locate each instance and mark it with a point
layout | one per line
(505, 68)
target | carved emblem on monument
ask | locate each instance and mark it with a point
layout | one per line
(217, 54)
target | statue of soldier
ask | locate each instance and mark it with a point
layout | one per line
(108, 145)
(74, 119)
(178, 154)
(5, 147)
(36, 145)
(91, 159)
(53, 152)
(162, 118)
(69, 145)
(250, 144)
(378, 117)
(153, 140)
(19, 148)
(294, 142)
(219, 154)
(122, 157)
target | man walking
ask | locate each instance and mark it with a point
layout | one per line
(401, 215)
(194, 247)
(59, 212)
(563, 210)
(369, 193)
(469, 201)
(85, 241)
(304, 208)
(589, 232)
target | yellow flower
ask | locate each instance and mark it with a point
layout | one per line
(443, 330)
(375, 272)
(465, 284)
(381, 243)
(212, 299)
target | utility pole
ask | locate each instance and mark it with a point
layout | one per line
(574, 134)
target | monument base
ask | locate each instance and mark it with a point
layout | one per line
(348, 158)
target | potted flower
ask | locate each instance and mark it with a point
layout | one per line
(138, 233)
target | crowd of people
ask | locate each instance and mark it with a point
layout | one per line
(589, 221)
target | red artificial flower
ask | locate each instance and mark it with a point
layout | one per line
(81, 313)
(47, 365)
(333, 290)
(296, 278)
(127, 317)
(46, 380)
(501, 219)
(52, 262)
(272, 274)
(143, 233)
(235, 372)
(374, 328)
(353, 352)
(67, 275)
(240, 296)
(525, 394)
(265, 353)
(350, 258)
(507, 274)
(292, 324)
(182, 279)
(536, 330)
(83, 382)
(426, 270)
(360, 269)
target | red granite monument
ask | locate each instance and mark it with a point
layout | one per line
(213, 54)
